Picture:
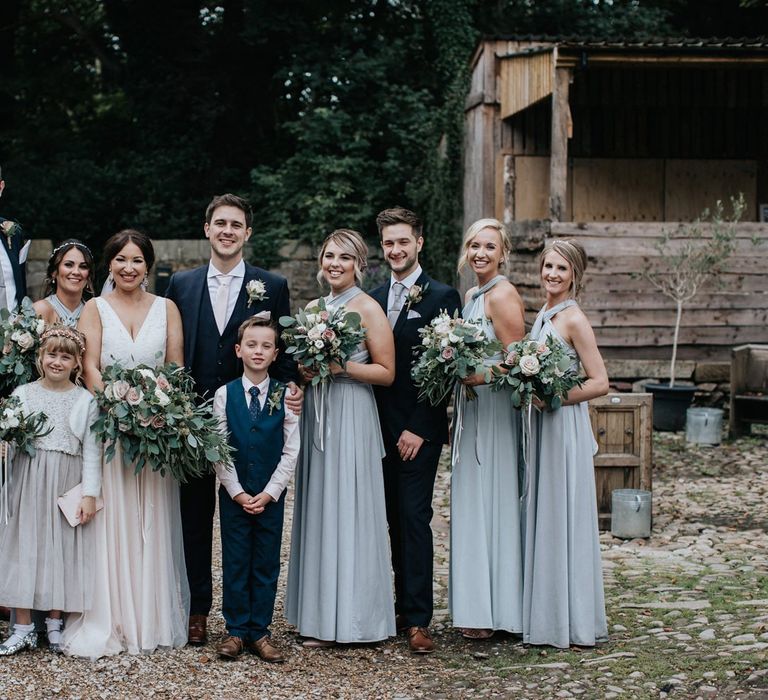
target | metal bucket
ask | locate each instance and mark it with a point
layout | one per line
(704, 425)
(630, 513)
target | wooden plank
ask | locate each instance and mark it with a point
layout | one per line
(531, 187)
(573, 229)
(653, 369)
(615, 189)
(631, 300)
(694, 185)
(524, 80)
(692, 318)
(558, 164)
(662, 336)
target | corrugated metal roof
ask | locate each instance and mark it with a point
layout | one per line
(651, 43)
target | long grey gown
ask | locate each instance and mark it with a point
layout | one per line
(339, 580)
(563, 581)
(486, 583)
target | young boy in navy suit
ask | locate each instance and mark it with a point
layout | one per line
(252, 495)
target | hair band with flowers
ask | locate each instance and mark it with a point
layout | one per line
(256, 291)
(275, 398)
(64, 332)
(415, 295)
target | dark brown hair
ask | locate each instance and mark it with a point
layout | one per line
(257, 322)
(399, 215)
(229, 200)
(49, 284)
(122, 238)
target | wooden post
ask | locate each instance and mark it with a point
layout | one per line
(558, 160)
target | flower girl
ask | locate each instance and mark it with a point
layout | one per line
(44, 557)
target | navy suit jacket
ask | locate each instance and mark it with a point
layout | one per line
(187, 289)
(398, 404)
(19, 270)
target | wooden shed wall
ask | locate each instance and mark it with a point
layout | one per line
(631, 319)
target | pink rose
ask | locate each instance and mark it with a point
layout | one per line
(134, 396)
(145, 421)
(162, 383)
(158, 422)
(7, 349)
(329, 335)
(448, 353)
(510, 359)
(324, 315)
(120, 389)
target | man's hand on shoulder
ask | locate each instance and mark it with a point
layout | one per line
(294, 398)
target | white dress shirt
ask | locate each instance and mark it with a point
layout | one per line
(237, 273)
(9, 300)
(408, 282)
(291, 442)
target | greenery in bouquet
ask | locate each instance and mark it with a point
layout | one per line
(451, 349)
(21, 338)
(536, 368)
(318, 336)
(152, 414)
(19, 428)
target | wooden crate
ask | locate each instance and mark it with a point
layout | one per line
(749, 388)
(623, 426)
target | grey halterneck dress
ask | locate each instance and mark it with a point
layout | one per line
(563, 581)
(339, 579)
(486, 585)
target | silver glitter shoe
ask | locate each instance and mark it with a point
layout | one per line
(28, 641)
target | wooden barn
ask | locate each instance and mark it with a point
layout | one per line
(613, 143)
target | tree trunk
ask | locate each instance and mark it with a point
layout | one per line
(674, 344)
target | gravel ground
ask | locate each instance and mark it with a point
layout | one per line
(688, 613)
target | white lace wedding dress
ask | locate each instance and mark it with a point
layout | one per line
(141, 594)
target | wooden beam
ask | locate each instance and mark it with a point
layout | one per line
(569, 60)
(558, 160)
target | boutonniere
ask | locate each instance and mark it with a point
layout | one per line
(256, 291)
(9, 228)
(275, 399)
(416, 294)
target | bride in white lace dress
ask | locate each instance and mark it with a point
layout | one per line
(141, 595)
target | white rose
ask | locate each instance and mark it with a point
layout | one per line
(162, 398)
(443, 328)
(316, 331)
(25, 340)
(40, 326)
(147, 373)
(319, 344)
(453, 338)
(529, 365)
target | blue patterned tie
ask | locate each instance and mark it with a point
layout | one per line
(255, 408)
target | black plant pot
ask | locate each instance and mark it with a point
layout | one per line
(670, 404)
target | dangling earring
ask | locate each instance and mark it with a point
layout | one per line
(145, 282)
(110, 279)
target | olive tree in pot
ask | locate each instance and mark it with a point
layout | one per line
(689, 258)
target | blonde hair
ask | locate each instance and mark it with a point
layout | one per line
(574, 254)
(350, 242)
(61, 338)
(473, 230)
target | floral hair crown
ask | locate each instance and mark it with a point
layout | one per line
(64, 332)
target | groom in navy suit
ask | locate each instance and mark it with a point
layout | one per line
(414, 431)
(13, 269)
(214, 300)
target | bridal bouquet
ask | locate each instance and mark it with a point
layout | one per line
(152, 414)
(318, 336)
(451, 348)
(21, 428)
(539, 368)
(21, 338)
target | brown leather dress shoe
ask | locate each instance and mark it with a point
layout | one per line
(197, 634)
(266, 650)
(230, 648)
(420, 640)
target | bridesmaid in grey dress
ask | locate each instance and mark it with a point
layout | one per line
(486, 584)
(339, 580)
(68, 279)
(563, 596)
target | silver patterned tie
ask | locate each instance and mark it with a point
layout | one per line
(398, 289)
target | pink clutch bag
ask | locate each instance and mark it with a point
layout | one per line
(69, 503)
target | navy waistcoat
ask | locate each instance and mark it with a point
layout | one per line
(215, 360)
(259, 444)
